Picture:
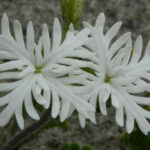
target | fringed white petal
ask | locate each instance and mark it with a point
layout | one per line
(29, 106)
(16, 64)
(82, 120)
(42, 82)
(47, 97)
(111, 33)
(46, 40)
(9, 86)
(18, 34)
(102, 105)
(38, 97)
(7, 113)
(6, 55)
(129, 122)
(147, 49)
(30, 38)
(5, 25)
(115, 101)
(69, 35)
(55, 104)
(38, 53)
(77, 41)
(19, 115)
(137, 51)
(119, 43)
(64, 110)
(56, 34)
(26, 71)
(120, 115)
(9, 75)
(93, 101)
(100, 21)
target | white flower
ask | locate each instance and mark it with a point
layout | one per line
(120, 75)
(43, 70)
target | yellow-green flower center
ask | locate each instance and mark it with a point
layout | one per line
(107, 79)
(38, 69)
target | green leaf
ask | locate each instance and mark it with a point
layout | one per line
(71, 12)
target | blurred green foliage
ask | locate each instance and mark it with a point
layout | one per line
(71, 12)
(136, 140)
(74, 146)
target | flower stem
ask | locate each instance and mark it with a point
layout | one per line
(22, 135)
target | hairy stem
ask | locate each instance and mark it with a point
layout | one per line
(22, 135)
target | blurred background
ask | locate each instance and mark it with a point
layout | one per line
(135, 15)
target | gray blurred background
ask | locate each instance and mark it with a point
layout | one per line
(135, 15)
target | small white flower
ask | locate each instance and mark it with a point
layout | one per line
(120, 75)
(43, 70)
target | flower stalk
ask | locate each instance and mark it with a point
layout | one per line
(22, 135)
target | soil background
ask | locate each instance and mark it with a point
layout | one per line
(135, 15)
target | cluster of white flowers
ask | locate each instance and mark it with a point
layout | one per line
(54, 73)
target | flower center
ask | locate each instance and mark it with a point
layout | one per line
(108, 79)
(38, 69)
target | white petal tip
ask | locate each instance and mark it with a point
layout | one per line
(104, 113)
(129, 34)
(5, 16)
(129, 131)
(45, 28)
(46, 106)
(119, 23)
(16, 22)
(120, 123)
(37, 118)
(22, 127)
(54, 115)
(30, 23)
(56, 20)
(71, 28)
(92, 109)
(139, 38)
(62, 119)
(45, 25)
(93, 121)
(82, 125)
(101, 15)
(84, 23)
(87, 25)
